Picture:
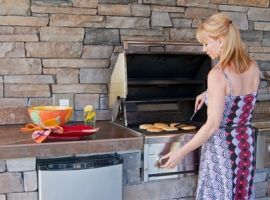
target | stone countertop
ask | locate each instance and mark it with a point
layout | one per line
(110, 138)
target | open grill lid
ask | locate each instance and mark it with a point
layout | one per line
(157, 86)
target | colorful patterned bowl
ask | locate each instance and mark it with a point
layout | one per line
(50, 115)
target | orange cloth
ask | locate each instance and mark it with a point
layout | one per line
(41, 134)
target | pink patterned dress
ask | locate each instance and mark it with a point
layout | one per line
(228, 157)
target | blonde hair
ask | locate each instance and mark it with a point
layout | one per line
(233, 51)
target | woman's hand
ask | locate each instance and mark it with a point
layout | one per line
(200, 99)
(173, 158)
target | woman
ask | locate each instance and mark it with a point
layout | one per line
(228, 154)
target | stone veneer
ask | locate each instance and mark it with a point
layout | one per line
(19, 181)
(52, 49)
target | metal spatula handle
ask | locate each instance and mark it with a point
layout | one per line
(190, 119)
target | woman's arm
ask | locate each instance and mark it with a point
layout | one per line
(216, 101)
(200, 99)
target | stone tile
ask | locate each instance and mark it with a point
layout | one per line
(116, 1)
(163, 189)
(260, 56)
(160, 2)
(85, 3)
(219, 1)
(27, 90)
(264, 26)
(26, 30)
(194, 3)
(67, 79)
(66, 71)
(52, 2)
(53, 49)
(260, 177)
(264, 65)
(1, 90)
(151, 32)
(127, 22)
(144, 38)
(251, 36)
(257, 3)
(259, 49)
(240, 19)
(12, 49)
(58, 34)
(77, 20)
(186, 23)
(177, 15)
(2, 166)
(81, 100)
(160, 19)
(169, 9)
(183, 34)
(63, 10)
(19, 38)
(97, 51)
(258, 14)
(263, 97)
(23, 21)
(14, 115)
(30, 181)
(29, 79)
(102, 36)
(260, 193)
(114, 9)
(80, 88)
(11, 182)
(76, 63)
(4, 30)
(201, 13)
(40, 102)
(21, 164)
(23, 196)
(9, 102)
(15, 7)
(233, 8)
(140, 10)
(2, 197)
(95, 75)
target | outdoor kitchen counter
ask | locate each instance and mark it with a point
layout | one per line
(110, 138)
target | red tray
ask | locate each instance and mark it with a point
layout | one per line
(74, 132)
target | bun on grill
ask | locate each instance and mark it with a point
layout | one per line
(170, 129)
(154, 129)
(161, 125)
(187, 127)
(145, 126)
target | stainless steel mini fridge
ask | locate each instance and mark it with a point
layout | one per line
(97, 177)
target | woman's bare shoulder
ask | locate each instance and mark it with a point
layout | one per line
(216, 76)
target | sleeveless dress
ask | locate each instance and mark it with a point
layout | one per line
(228, 157)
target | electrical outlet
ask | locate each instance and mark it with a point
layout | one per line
(63, 102)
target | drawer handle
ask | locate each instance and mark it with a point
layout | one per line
(268, 148)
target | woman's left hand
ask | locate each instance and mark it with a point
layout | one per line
(173, 158)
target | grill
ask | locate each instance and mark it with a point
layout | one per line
(154, 87)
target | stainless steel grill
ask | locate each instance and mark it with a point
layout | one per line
(149, 87)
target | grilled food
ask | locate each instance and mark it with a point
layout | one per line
(170, 129)
(187, 127)
(161, 125)
(154, 129)
(145, 126)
